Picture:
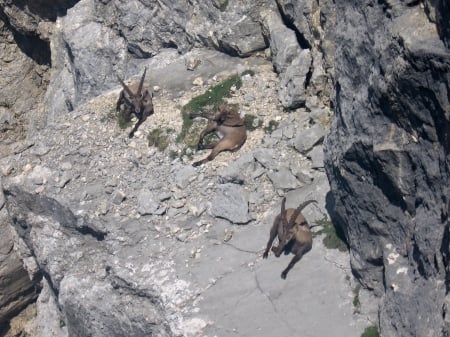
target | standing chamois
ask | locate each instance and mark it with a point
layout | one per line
(294, 234)
(135, 98)
(228, 124)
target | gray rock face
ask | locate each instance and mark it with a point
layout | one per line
(387, 159)
(89, 306)
(290, 61)
(314, 24)
(16, 288)
(97, 40)
(231, 203)
(24, 65)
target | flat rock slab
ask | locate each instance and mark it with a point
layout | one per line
(249, 297)
(231, 203)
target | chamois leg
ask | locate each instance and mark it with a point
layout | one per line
(278, 250)
(139, 122)
(283, 242)
(298, 255)
(209, 128)
(220, 146)
(272, 236)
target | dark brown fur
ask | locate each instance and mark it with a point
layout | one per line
(226, 122)
(135, 98)
(294, 234)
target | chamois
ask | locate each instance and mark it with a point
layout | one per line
(135, 98)
(228, 125)
(294, 234)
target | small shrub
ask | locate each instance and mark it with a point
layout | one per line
(210, 138)
(252, 122)
(173, 154)
(334, 237)
(271, 127)
(159, 138)
(356, 301)
(371, 331)
(122, 121)
(221, 4)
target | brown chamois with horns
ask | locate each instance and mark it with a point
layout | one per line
(135, 98)
(294, 234)
(228, 124)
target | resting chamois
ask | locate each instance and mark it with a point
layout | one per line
(228, 124)
(294, 234)
(136, 99)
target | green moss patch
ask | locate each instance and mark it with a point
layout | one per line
(334, 236)
(371, 331)
(159, 138)
(356, 301)
(252, 122)
(206, 102)
(271, 127)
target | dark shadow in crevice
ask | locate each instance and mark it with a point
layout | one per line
(302, 41)
(31, 45)
(46, 9)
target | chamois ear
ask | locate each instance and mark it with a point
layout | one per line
(125, 87)
(141, 84)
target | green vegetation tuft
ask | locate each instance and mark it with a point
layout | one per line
(159, 138)
(213, 97)
(271, 127)
(206, 102)
(356, 301)
(252, 122)
(371, 331)
(222, 4)
(334, 236)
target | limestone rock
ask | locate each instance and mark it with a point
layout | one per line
(309, 138)
(390, 190)
(231, 203)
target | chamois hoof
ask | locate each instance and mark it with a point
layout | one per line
(200, 147)
(265, 255)
(197, 163)
(283, 275)
(276, 251)
(131, 135)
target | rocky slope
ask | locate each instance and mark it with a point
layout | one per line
(118, 238)
(121, 239)
(132, 241)
(387, 157)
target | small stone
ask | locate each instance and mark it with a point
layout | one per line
(66, 166)
(192, 63)
(118, 197)
(198, 81)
